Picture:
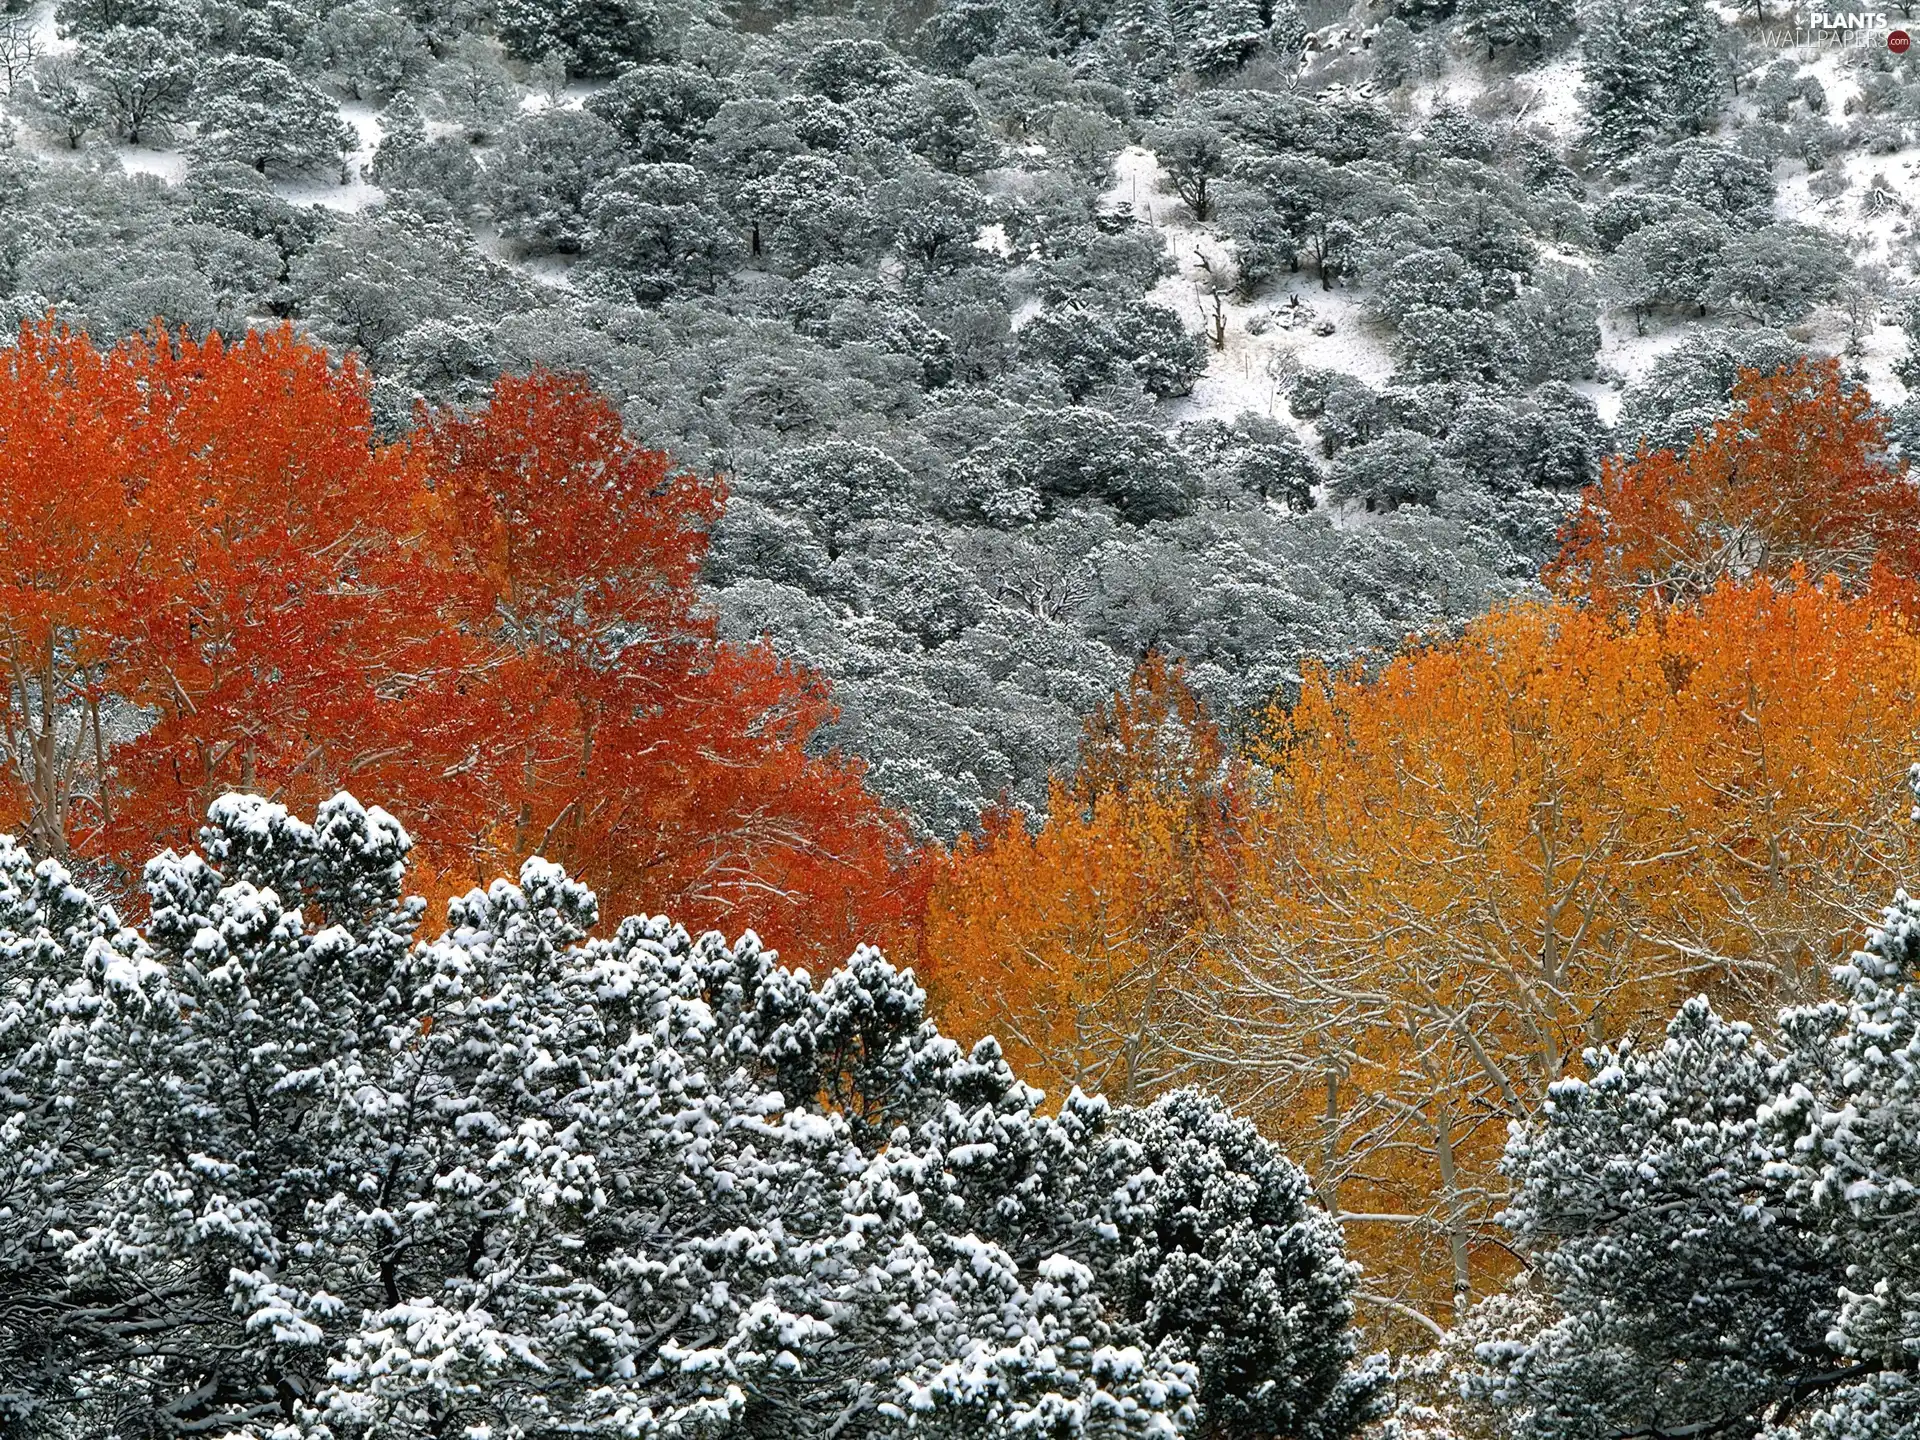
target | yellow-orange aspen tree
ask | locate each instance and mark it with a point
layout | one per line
(1542, 835)
(1075, 945)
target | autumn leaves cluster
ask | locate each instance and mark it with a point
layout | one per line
(1387, 914)
(1382, 916)
(214, 577)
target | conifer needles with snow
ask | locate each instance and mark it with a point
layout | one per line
(271, 1164)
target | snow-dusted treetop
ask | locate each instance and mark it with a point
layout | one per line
(272, 1165)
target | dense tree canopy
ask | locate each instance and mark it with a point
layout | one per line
(217, 579)
(1504, 848)
(971, 356)
(279, 1162)
(1798, 476)
(1077, 946)
(1722, 1222)
(1438, 882)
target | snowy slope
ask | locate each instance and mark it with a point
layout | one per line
(1250, 371)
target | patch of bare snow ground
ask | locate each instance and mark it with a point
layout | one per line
(169, 162)
(357, 192)
(47, 39)
(1871, 232)
(1630, 351)
(573, 97)
(168, 165)
(1833, 66)
(1250, 371)
(1550, 96)
(1460, 83)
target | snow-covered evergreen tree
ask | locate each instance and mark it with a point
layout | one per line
(1651, 70)
(274, 1165)
(142, 74)
(1847, 1120)
(596, 37)
(1218, 35)
(1696, 1299)
(258, 112)
(1515, 22)
(1729, 1231)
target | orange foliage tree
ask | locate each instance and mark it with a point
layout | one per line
(1075, 946)
(1797, 475)
(214, 578)
(1435, 884)
(1501, 849)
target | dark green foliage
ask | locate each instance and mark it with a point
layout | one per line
(414, 1261)
(259, 113)
(1652, 71)
(541, 179)
(594, 37)
(1696, 1296)
(660, 111)
(1213, 1269)
(1090, 348)
(1055, 457)
(658, 231)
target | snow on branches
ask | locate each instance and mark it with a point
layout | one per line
(274, 1165)
(1728, 1228)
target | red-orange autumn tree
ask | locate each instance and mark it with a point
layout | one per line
(215, 578)
(1797, 475)
(633, 745)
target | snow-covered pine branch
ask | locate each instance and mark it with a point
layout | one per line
(1729, 1229)
(272, 1164)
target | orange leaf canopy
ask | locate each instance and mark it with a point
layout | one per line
(214, 577)
(1798, 475)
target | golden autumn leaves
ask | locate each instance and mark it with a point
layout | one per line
(1078, 946)
(1412, 896)
(1538, 837)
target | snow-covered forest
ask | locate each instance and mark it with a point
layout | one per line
(1169, 719)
